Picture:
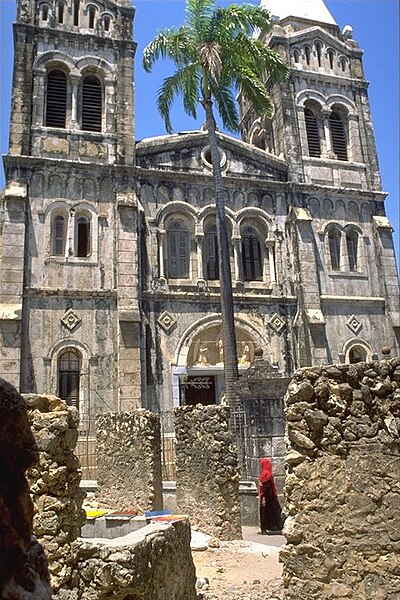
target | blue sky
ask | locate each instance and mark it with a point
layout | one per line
(376, 28)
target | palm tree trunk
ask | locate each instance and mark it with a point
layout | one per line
(231, 372)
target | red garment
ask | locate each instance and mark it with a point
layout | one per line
(266, 476)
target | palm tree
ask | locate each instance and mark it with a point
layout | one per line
(218, 57)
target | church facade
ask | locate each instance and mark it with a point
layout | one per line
(109, 283)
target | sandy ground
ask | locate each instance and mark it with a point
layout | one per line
(246, 569)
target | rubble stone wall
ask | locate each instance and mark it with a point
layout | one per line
(342, 487)
(128, 449)
(207, 473)
(23, 564)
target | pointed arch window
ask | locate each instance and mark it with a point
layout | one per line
(211, 256)
(338, 135)
(312, 130)
(334, 239)
(69, 368)
(56, 99)
(251, 254)
(352, 249)
(83, 237)
(58, 236)
(91, 103)
(178, 250)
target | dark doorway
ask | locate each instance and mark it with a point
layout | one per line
(198, 389)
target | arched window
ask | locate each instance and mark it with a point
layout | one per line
(352, 249)
(307, 53)
(92, 14)
(69, 367)
(318, 48)
(357, 354)
(338, 135)
(91, 104)
(58, 236)
(45, 12)
(178, 250)
(56, 99)
(251, 254)
(82, 239)
(312, 130)
(330, 54)
(296, 56)
(334, 238)
(211, 257)
(76, 12)
(107, 23)
(60, 10)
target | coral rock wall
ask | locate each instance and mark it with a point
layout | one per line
(128, 450)
(342, 489)
(207, 475)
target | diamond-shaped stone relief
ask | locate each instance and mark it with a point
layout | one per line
(353, 324)
(70, 319)
(166, 321)
(277, 323)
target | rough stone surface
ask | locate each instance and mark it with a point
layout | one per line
(342, 488)
(23, 565)
(207, 477)
(128, 447)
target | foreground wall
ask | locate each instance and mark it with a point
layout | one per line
(342, 488)
(207, 475)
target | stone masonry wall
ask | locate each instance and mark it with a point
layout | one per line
(54, 482)
(342, 488)
(23, 564)
(128, 450)
(207, 475)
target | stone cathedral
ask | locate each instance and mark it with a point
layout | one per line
(109, 282)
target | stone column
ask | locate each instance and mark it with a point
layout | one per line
(74, 79)
(325, 112)
(161, 240)
(238, 275)
(39, 84)
(199, 244)
(270, 248)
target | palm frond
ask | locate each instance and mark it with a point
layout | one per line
(175, 44)
(184, 81)
(253, 90)
(199, 14)
(227, 106)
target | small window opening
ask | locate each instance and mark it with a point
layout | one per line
(338, 134)
(56, 99)
(330, 57)
(45, 12)
(357, 354)
(251, 254)
(92, 14)
(69, 367)
(319, 53)
(91, 104)
(83, 237)
(352, 247)
(334, 249)
(343, 64)
(307, 52)
(61, 12)
(296, 56)
(76, 13)
(59, 236)
(211, 253)
(107, 23)
(314, 146)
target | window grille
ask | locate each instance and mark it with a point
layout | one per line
(251, 254)
(312, 130)
(59, 236)
(69, 367)
(56, 99)
(211, 253)
(338, 134)
(83, 237)
(334, 249)
(178, 250)
(352, 248)
(91, 104)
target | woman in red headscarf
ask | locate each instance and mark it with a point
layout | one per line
(270, 510)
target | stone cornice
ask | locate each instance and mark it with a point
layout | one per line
(70, 293)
